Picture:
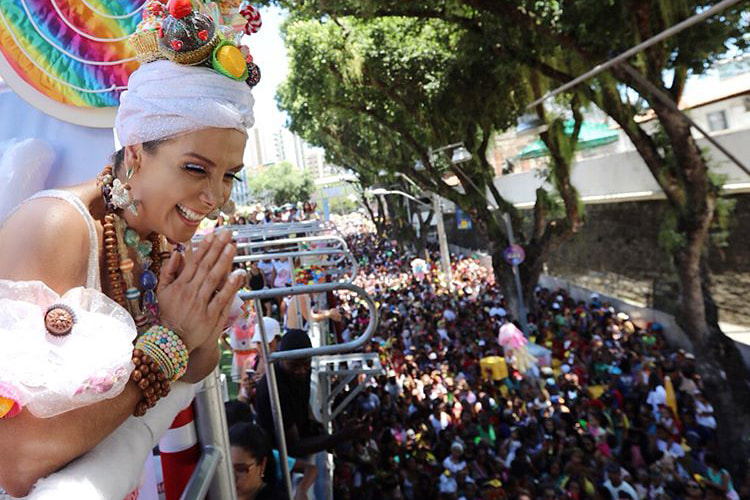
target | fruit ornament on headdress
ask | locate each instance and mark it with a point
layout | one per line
(197, 33)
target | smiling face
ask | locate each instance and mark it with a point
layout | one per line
(183, 180)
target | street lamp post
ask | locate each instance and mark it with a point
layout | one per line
(445, 260)
(460, 155)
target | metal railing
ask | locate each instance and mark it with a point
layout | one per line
(290, 248)
(276, 230)
(213, 474)
(270, 358)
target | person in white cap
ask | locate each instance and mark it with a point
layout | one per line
(273, 334)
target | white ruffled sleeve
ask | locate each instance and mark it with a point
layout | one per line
(50, 374)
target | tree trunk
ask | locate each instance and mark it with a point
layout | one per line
(718, 359)
(378, 228)
(692, 316)
(725, 378)
(504, 277)
(424, 229)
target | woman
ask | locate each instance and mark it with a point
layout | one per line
(82, 269)
(256, 282)
(256, 466)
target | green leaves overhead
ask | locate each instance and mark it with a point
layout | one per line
(382, 91)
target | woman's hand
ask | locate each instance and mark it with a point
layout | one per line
(194, 299)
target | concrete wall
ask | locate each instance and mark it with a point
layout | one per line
(618, 253)
(624, 176)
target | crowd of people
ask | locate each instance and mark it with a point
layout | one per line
(611, 413)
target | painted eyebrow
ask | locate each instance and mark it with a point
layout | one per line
(211, 163)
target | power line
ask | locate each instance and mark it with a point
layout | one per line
(638, 48)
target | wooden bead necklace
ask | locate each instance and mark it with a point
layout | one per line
(141, 301)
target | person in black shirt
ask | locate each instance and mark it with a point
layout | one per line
(303, 435)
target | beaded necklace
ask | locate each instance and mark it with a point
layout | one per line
(141, 302)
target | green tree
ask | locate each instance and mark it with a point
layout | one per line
(561, 40)
(281, 183)
(342, 206)
(381, 94)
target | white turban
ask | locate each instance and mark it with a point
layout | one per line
(165, 99)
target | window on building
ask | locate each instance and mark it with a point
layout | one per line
(746, 100)
(717, 121)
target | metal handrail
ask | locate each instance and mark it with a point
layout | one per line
(217, 478)
(345, 255)
(290, 241)
(263, 231)
(197, 487)
(269, 358)
(350, 346)
(343, 251)
(298, 253)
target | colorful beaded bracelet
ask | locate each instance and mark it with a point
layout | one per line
(167, 349)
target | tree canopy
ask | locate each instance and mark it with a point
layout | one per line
(281, 183)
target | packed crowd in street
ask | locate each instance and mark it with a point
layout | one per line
(609, 412)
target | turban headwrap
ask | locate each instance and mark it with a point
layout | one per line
(165, 99)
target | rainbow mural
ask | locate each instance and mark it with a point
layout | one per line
(72, 51)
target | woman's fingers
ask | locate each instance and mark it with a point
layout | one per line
(218, 273)
(170, 271)
(211, 242)
(222, 301)
(192, 263)
(209, 259)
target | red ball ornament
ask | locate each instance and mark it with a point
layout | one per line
(180, 8)
(203, 35)
(176, 44)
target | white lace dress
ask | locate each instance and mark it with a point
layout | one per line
(49, 375)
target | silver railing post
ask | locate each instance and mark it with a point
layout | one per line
(212, 428)
(273, 393)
